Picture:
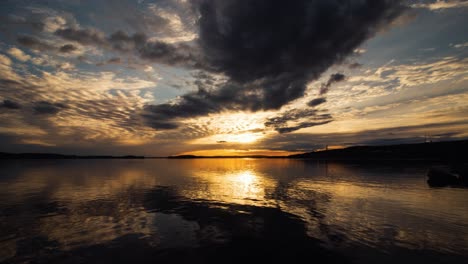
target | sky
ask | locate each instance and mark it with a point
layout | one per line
(207, 77)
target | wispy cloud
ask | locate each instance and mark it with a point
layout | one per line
(18, 54)
(442, 4)
(293, 120)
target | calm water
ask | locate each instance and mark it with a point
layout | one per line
(227, 210)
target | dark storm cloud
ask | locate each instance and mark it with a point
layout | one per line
(230, 96)
(67, 48)
(48, 108)
(271, 49)
(8, 104)
(316, 101)
(190, 105)
(34, 43)
(300, 118)
(261, 39)
(334, 78)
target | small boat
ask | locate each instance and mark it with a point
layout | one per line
(444, 176)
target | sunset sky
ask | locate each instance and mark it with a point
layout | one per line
(230, 77)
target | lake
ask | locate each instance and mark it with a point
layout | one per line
(227, 211)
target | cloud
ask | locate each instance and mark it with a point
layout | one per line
(250, 41)
(293, 120)
(8, 104)
(189, 105)
(355, 65)
(280, 122)
(316, 101)
(230, 96)
(7, 74)
(282, 130)
(61, 108)
(37, 19)
(87, 36)
(178, 54)
(48, 108)
(52, 23)
(174, 54)
(270, 50)
(442, 4)
(169, 21)
(360, 51)
(460, 45)
(34, 43)
(5, 61)
(115, 60)
(413, 75)
(68, 48)
(334, 78)
(396, 80)
(18, 54)
(119, 40)
(37, 44)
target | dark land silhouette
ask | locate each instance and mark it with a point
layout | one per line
(455, 151)
(436, 151)
(4, 155)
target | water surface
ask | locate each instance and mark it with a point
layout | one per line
(227, 210)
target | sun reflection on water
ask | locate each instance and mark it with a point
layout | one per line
(83, 203)
(237, 186)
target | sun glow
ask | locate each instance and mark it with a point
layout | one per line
(243, 138)
(232, 128)
(230, 138)
(239, 152)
